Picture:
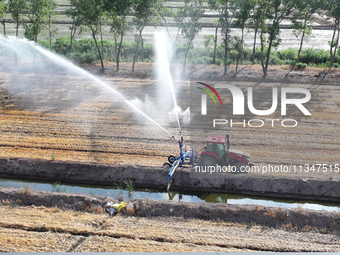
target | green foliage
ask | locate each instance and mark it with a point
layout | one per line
(53, 157)
(16, 7)
(61, 45)
(129, 186)
(276, 11)
(3, 13)
(84, 52)
(208, 39)
(218, 62)
(37, 13)
(288, 54)
(233, 55)
(316, 56)
(43, 43)
(301, 66)
(116, 13)
(202, 60)
(57, 187)
(3, 9)
(91, 15)
(291, 63)
(188, 21)
(83, 58)
(275, 60)
(145, 11)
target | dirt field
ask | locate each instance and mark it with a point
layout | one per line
(64, 117)
(41, 229)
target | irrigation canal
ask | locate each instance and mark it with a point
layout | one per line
(123, 193)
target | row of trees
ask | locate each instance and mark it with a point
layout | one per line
(263, 16)
(35, 16)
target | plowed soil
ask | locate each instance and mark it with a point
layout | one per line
(63, 117)
(40, 229)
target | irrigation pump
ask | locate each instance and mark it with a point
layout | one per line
(186, 157)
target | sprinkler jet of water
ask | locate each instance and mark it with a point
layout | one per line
(164, 73)
(107, 87)
(146, 116)
(15, 43)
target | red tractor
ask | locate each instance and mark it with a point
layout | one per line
(218, 152)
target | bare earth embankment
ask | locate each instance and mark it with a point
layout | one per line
(147, 226)
(40, 229)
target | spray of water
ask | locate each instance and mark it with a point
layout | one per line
(163, 56)
(102, 85)
(165, 102)
(23, 47)
(146, 116)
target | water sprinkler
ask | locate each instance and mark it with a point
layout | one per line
(180, 161)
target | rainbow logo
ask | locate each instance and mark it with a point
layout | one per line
(209, 93)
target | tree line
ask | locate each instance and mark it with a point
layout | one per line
(262, 16)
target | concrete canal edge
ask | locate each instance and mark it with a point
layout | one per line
(157, 178)
(250, 214)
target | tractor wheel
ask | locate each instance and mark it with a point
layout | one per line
(238, 166)
(171, 159)
(207, 160)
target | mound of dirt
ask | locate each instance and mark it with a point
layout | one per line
(268, 216)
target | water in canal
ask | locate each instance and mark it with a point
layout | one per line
(122, 191)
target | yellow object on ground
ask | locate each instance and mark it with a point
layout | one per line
(119, 207)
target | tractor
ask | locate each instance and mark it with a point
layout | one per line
(217, 152)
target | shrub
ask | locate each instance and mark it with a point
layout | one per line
(317, 56)
(220, 52)
(218, 61)
(202, 60)
(292, 63)
(233, 55)
(288, 54)
(127, 51)
(258, 54)
(61, 45)
(301, 66)
(83, 58)
(274, 60)
(148, 52)
(44, 44)
(247, 54)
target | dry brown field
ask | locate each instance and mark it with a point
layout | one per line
(66, 117)
(41, 229)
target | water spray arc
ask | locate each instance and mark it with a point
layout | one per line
(24, 48)
(146, 116)
(16, 45)
(163, 60)
(164, 72)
